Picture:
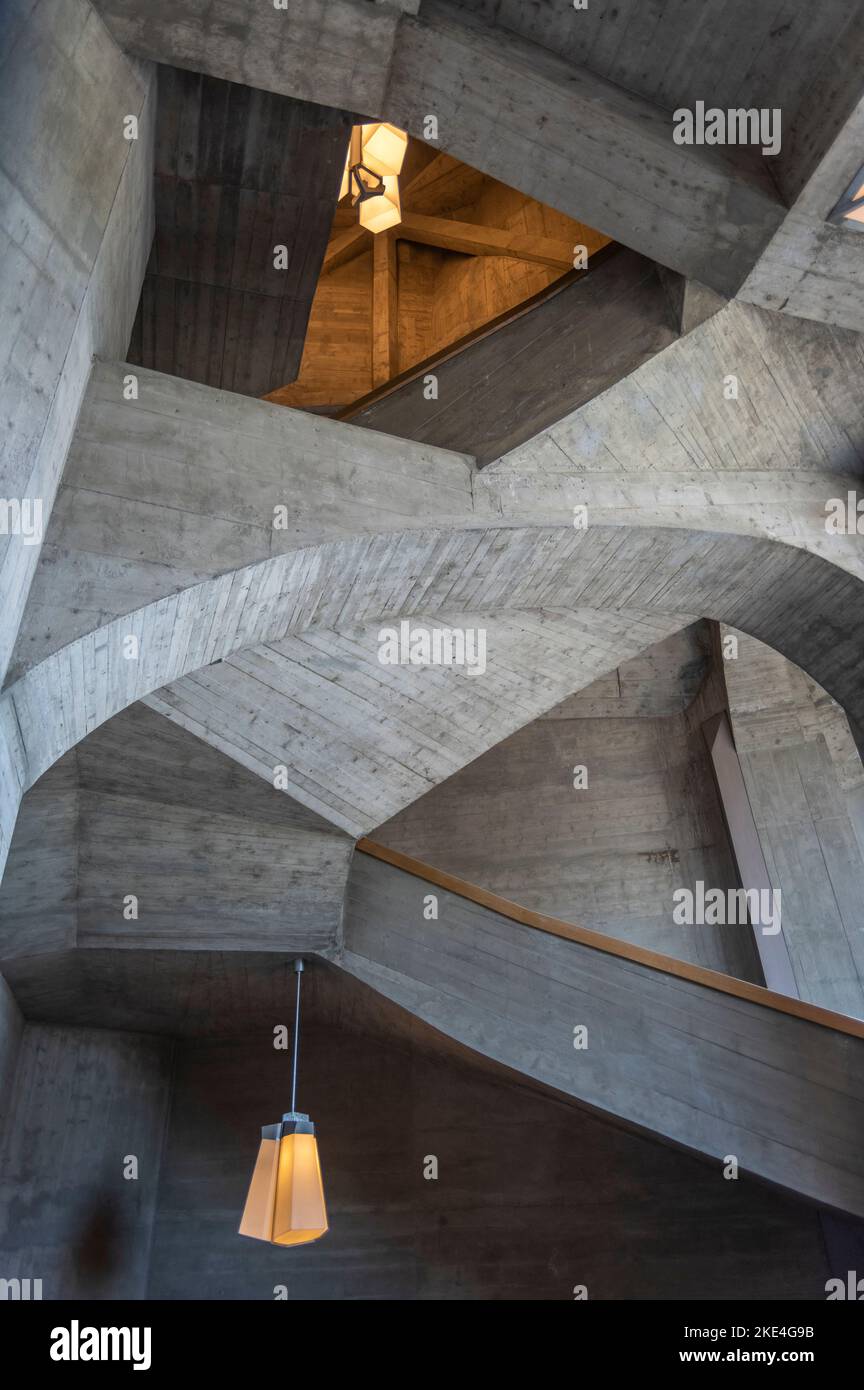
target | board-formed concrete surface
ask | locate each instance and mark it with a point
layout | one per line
(76, 220)
(216, 570)
(144, 837)
(718, 1074)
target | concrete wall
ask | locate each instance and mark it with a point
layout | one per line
(76, 223)
(804, 781)
(533, 1196)
(215, 856)
(11, 1030)
(84, 1100)
(610, 855)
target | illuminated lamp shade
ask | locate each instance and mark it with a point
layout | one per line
(383, 211)
(285, 1205)
(384, 148)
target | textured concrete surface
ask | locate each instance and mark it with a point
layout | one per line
(237, 173)
(181, 485)
(778, 593)
(76, 220)
(335, 52)
(11, 1029)
(802, 771)
(506, 105)
(532, 1196)
(506, 1218)
(718, 1074)
(262, 641)
(360, 740)
(84, 1102)
(608, 855)
(213, 856)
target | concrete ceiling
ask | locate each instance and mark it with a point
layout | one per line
(726, 53)
(359, 740)
(164, 579)
(171, 538)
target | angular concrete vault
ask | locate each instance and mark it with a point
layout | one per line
(634, 483)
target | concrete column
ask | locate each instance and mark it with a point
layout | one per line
(804, 780)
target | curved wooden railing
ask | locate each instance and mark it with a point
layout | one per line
(539, 921)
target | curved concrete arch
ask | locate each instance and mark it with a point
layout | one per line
(808, 609)
(182, 484)
(357, 741)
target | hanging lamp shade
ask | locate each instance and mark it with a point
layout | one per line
(385, 210)
(383, 148)
(285, 1205)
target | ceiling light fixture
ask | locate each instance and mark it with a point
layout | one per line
(285, 1205)
(372, 167)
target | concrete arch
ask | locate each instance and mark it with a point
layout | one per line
(808, 609)
(358, 740)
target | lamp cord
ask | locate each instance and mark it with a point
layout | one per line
(296, 1047)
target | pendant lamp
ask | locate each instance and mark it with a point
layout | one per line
(371, 175)
(285, 1205)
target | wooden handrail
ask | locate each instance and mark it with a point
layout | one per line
(640, 955)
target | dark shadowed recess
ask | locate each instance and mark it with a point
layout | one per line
(238, 172)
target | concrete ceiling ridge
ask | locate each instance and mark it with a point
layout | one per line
(157, 497)
(359, 740)
(779, 593)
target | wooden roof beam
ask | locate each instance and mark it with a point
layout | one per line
(475, 240)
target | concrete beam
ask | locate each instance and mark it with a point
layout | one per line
(584, 336)
(813, 267)
(505, 105)
(335, 52)
(665, 447)
(591, 149)
(210, 469)
(226, 481)
(779, 593)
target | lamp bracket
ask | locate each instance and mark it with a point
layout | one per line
(364, 190)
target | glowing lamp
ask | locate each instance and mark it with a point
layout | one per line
(285, 1205)
(383, 148)
(385, 210)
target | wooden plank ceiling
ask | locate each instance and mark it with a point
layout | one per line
(237, 172)
(467, 251)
